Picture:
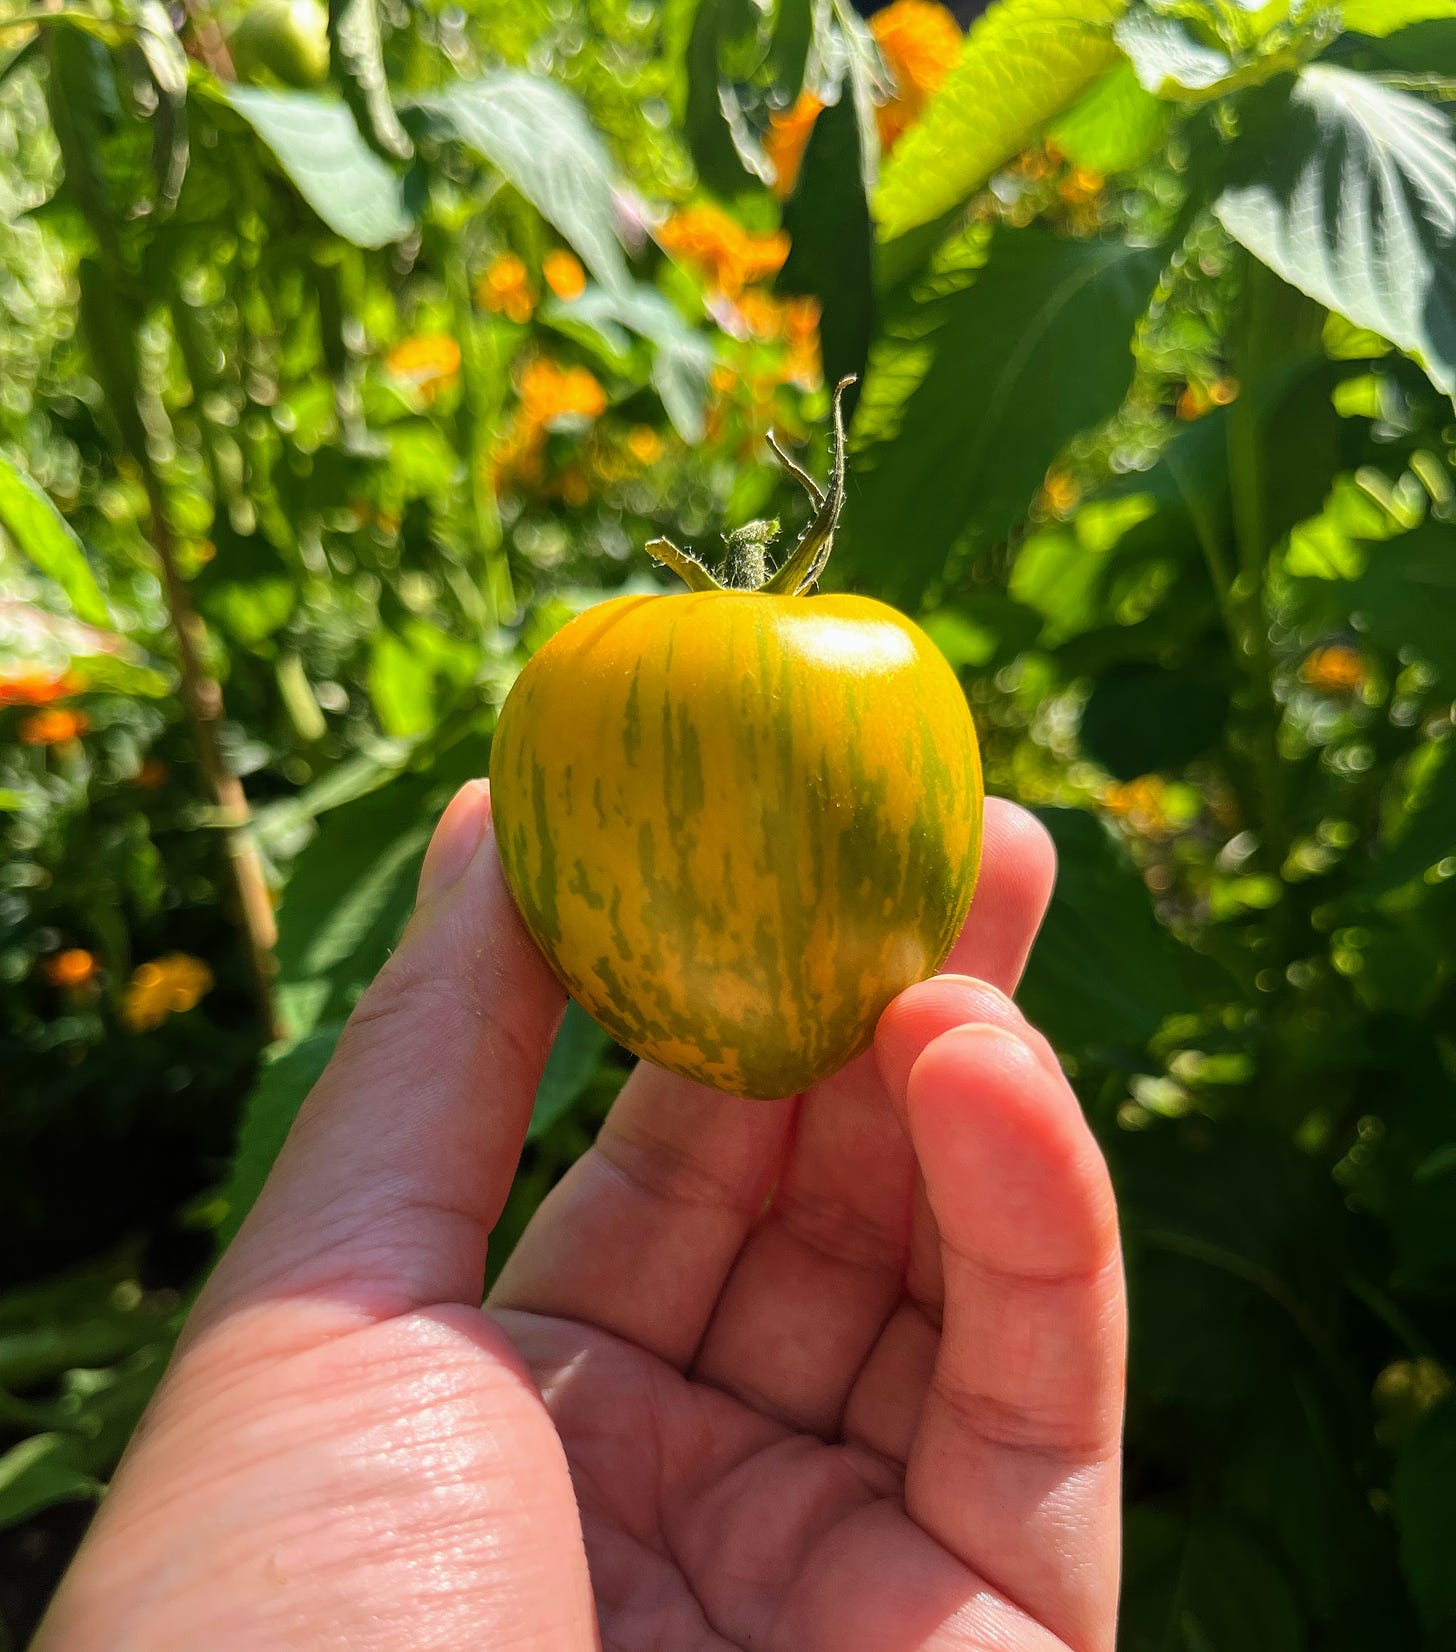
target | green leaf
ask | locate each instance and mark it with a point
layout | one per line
(717, 136)
(1203, 1584)
(1142, 718)
(793, 33)
(320, 150)
(574, 1059)
(538, 135)
(268, 1114)
(831, 255)
(985, 369)
(1382, 17)
(1347, 188)
(1104, 972)
(356, 65)
(1406, 598)
(42, 535)
(1424, 1489)
(1114, 127)
(1023, 63)
(36, 1474)
(1167, 56)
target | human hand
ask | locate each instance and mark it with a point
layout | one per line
(842, 1372)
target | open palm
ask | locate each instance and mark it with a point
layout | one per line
(839, 1372)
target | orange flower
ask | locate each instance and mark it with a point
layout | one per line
(644, 444)
(727, 256)
(505, 289)
(53, 727)
(786, 140)
(551, 392)
(1335, 670)
(75, 967)
(1142, 803)
(920, 42)
(169, 985)
(429, 362)
(32, 685)
(564, 275)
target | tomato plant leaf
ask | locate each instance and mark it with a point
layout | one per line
(1347, 188)
(1425, 1510)
(538, 136)
(831, 256)
(356, 66)
(727, 160)
(37, 1474)
(1142, 717)
(571, 1066)
(319, 147)
(44, 537)
(1023, 63)
(987, 366)
(1167, 56)
(1382, 17)
(1406, 598)
(1104, 972)
(1113, 127)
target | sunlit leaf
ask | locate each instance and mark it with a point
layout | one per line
(1115, 126)
(1382, 17)
(1023, 63)
(1167, 56)
(42, 535)
(356, 64)
(318, 146)
(539, 137)
(991, 363)
(1347, 188)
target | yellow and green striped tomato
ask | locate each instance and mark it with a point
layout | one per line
(737, 824)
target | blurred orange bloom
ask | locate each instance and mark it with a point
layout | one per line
(564, 274)
(920, 43)
(152, 775)
(53, 727)
(786, 140)
(1142, 803)
(644, 444)
(549, 391)
(75, 967)
(430, 362)
(167, 986)
(32, 685)
(1197, 399)
(1335, 670)
(505, 289)
(728, 257)
(1059, 494)
(1081, 184)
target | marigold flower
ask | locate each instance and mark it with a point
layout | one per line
(786, 140)
(564, 274)
(504, 288)
(644, 444)
(920, 42)
(727, 256)
(1337, 669)
(430, 362)
(75, 967)
(169, 985)
(549, 391)
(52, 727)
(33, 685)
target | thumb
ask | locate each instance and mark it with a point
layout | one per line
(401, 1158)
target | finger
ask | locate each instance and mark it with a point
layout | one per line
(639, 1234)
(883, 1409)
(1015, 1467)
(822, 1272)
(399, 1162)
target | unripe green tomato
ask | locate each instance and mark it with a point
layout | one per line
(282, 42)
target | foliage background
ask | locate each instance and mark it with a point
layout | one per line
(321, 408)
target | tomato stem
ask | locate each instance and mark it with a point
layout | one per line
(805, 564)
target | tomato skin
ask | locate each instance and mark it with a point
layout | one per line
(738, 824)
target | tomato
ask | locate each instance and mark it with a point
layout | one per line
(282, 41)
(739, 822)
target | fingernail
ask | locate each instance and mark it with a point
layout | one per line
(456, 838)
